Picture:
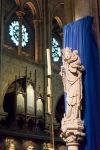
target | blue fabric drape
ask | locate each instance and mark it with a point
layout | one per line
(79, 35)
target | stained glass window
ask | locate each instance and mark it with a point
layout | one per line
(56, 50)
(14, 33)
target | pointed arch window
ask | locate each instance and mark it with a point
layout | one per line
(56, 50)
(20, 33)
(14, 33)
(56, 40)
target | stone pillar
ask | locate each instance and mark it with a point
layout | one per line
(76, 9)
(36, 24)
(73, 147)
(20, 15)
(68, 11)
(72, 132)
(2, 113)
(96, 22)
(82, 8)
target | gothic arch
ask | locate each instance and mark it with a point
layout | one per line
(34, 7)
(31, 7)
(36, 20)
(59, 21)
(14, 98)
(55, 11)
(6, 88)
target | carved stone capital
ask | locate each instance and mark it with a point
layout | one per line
(36, 23)
(20, 13)
(72, 131)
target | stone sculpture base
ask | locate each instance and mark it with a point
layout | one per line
(72, 132)
(73, 147)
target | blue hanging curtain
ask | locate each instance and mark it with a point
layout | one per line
(79, 35)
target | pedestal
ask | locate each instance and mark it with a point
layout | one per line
(73, 147)
(72, 132)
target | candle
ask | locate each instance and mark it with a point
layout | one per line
(49, 80)
(49, 105)
(49, 87)
(48, 62)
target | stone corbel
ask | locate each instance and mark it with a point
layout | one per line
(72, 132)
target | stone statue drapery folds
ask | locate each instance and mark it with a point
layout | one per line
(71, 72)
(72, 127)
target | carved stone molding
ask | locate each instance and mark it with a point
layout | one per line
(20, 13)
(72, 131)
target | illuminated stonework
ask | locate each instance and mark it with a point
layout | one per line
(14, 33)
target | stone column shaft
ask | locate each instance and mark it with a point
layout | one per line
(2, 113)
(68, 11)
(76, 9)
(73, 147)
(82, 8)
(20, 15)
(37, 39)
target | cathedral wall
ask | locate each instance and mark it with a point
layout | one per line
(57, 89)
(13, 66)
